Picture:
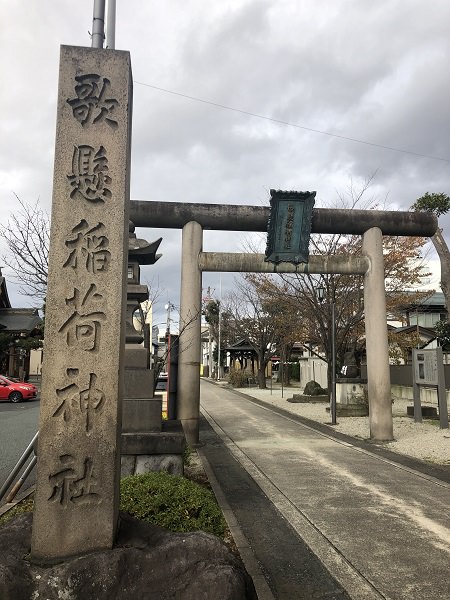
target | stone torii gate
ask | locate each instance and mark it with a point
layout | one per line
(372, 225)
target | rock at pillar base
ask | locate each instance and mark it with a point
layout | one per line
(170, 463)
(196, 565)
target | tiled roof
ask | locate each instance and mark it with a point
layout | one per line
(19, 319)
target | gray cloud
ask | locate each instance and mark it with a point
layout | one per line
(372, 71)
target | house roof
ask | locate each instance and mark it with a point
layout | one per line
(431, 302)
(241, 344)
(18, 320)
(423, 331)
(241, 348)
(4, 300)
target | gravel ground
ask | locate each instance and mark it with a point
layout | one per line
(419, 440)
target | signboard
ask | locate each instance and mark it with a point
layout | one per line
(428, 370)
(425, 367)
(289, 226)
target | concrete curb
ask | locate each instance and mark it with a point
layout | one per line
(245, 550)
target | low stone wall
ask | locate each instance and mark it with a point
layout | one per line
(302, 398)
(427, 395)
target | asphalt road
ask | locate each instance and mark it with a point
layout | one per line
(18, 425)
(380, 529)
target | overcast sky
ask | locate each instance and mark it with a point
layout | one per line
(377, 72)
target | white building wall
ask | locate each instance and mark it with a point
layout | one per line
(36, 362)
(313, 369)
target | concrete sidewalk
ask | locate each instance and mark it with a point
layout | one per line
(320, 517)
(425, 441)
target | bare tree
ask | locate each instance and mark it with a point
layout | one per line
(262, 313)
(27, 236)
(403, 271)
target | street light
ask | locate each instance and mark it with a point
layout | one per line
(320, 291)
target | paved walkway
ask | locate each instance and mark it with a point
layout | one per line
(319, 517)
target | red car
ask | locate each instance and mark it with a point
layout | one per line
(16, 391)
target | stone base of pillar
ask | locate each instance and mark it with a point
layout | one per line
(350, 410)
(143, 452)
(191, 431)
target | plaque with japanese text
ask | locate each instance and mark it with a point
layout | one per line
(289, 226)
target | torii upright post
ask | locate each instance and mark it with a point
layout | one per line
(188, 407)
(378, 374)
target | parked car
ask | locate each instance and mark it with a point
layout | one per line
(16, 391)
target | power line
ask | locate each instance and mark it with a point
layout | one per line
(288, 124)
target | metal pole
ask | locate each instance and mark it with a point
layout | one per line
(19, 483)
(98, 24)
(168, 307)
(22, 460)
(333, 363)
(218, 349)
(111, 25)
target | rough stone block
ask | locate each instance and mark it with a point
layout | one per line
(171, 463)
(138, 383)
(141, 414)
(153, 443)
(304, 399)
(351, 410)
(127, 465)
(428, 412)
(135, 357)
(196, 565)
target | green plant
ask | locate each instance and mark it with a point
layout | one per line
(295, 370)
(22, 507)
(239, 378)
(166, 500)
(171, 501)
(442, 329)
(187, 453)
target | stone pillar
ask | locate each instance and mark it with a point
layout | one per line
(378, 374)
(190, 332)
(77, 493)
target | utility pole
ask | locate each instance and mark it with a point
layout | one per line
(206, 300)
(220, 333)
(168, 307)
(98, 24)
(111, 25)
